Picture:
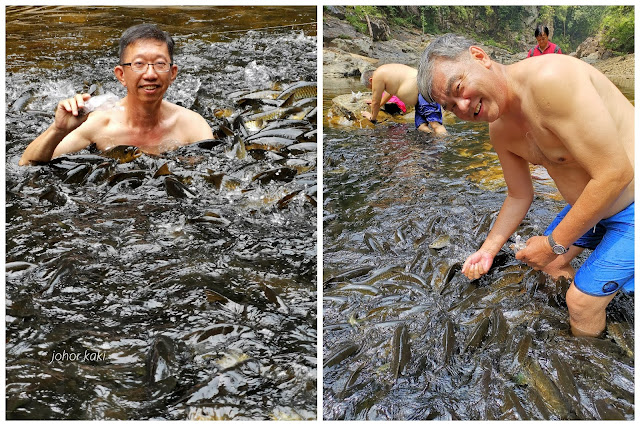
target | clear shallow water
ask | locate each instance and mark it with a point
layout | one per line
(406, 336)
(133, 294)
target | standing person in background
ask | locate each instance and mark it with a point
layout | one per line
(544, 45)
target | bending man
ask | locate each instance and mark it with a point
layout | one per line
(548, 118)
(144, 120)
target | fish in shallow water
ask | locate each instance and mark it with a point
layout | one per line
(123, 153)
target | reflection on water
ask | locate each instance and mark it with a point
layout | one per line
(406, 336)
(171, 287)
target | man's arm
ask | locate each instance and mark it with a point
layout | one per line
(377, 87)
(593, 147)
(67, 119)
(385, 98)
(570, 118)
(513, 210)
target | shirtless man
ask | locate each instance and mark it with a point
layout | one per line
(144, 119)
(394, 80)
(549, 117)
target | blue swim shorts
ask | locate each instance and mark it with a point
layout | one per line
(611, 265)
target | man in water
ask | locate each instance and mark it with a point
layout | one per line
(547, 118)
(397, 80)
(144, 119)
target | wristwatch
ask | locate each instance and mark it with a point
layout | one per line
(557, 248)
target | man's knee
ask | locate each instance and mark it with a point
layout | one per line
(587, 314)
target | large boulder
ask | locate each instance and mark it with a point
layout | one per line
(380, 30)
(592, 49)
(338, 63)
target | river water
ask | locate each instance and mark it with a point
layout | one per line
(180, 286)
(405, 334)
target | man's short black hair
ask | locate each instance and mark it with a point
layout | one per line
(144, 32)
(542, 29)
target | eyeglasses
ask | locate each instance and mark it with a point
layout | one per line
(143, 67)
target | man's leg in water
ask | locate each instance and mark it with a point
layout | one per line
(587, 314)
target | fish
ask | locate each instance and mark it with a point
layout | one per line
(214, 296)
(518, 245)
(257, 121)
(18, 266)
(607, 411)
(512, 399)
(477, 335)
(623, 335)
(340, 354)
(284, 201)
(269, 143)
(301, 148)
(22, 102)
(300, 90)
(448, 341)
(222, 181)
(401, 350)
(549, 392)
(441, 242)
(177, 189)
(349, 274)
(54, 196)
(77, 174)
(280, 174)
(161, 360)
(372, 243)
(123, 153)
(162, 171)
(287, 133)
(126, 175)
(566, 381)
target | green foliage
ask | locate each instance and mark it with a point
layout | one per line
(503, 26)
(618, 29)
(356, 16)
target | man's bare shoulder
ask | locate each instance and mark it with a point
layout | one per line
(557, 78)
(191, 124)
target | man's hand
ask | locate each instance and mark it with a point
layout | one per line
(477, 264)
(366, 114)
(68, 116)
(538, 253)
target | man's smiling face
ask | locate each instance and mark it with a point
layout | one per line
(466, 88)
(149, 85)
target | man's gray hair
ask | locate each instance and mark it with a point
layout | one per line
(449, 47)
(366, 75)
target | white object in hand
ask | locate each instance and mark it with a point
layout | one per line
(100, 103)
(519, 244)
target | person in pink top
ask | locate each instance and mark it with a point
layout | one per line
(544, 45)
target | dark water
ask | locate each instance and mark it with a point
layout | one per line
(406, 335)
(136, 294)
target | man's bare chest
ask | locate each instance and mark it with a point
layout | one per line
(538, 145)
